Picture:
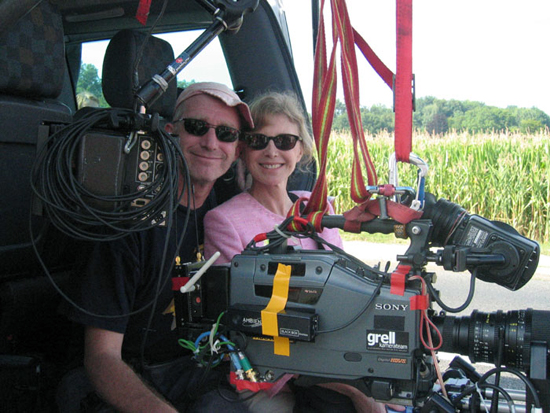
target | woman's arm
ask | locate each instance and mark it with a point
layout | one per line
(220, 234)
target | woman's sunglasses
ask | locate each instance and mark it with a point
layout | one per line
(283, 142)
(199, 127)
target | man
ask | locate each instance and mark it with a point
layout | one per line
(125, 283)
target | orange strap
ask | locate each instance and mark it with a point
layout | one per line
(279, 297)
(324, 98)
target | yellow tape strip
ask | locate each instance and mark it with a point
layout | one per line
(276, 305)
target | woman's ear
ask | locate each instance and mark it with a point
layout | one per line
(301, 151)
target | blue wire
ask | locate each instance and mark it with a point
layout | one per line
(233, 354)
(199, 338)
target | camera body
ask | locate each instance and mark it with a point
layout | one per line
(354, 336)
(342, 321)
(351, 323)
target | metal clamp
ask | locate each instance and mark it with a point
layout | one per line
(387, 191)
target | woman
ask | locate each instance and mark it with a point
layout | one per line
(279, 143)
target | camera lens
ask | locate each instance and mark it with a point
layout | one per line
(481, 336)
(446, 216)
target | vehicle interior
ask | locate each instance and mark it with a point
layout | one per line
(41, 49)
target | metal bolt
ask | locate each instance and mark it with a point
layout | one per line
(416, 230)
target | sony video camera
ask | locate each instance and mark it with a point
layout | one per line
(344, 321)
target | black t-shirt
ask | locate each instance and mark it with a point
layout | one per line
(127, 275)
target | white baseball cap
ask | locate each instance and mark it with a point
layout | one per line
(221, 92)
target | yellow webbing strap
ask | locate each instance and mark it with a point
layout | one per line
(276, 305)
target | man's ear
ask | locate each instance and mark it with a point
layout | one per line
(169, 127)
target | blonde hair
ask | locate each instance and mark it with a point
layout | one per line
(287, 104)
(86, 99)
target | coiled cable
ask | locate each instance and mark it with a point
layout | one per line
(79, 212)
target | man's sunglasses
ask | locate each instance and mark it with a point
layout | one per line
(283, 142)
(199, 127)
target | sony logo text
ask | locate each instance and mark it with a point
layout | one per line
(391, 307)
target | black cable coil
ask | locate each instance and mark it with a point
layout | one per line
(80, 213)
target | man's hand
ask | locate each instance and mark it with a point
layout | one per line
(113, 379)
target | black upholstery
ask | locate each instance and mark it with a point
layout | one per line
(32, 74)
(31, 53)
(119, 82)
(31, 77)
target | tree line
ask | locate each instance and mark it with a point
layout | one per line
(437, 116)
(89, 81)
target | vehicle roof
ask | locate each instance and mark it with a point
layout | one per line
(101, 19)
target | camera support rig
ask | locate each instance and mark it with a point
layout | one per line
(345, 324)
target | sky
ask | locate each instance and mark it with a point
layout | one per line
(491, 51)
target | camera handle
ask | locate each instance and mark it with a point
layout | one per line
(460, 258)
(228, 15)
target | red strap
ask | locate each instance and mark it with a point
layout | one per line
(299, 223)
(377, 64)
(242, 385)
(398, 279)
(316, 219)
(420, 302)
(397, 283)
(324, 100)
(352, 226)
(403, 82)
(369, 210)
(143, 11)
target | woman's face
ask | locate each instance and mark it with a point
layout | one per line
(271, 166)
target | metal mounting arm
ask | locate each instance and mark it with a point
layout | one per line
(227, 14)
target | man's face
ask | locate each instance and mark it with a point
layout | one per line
(207, 157)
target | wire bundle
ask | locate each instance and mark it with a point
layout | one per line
(81, 214)
(209, 352)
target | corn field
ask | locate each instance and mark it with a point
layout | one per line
(500, 176)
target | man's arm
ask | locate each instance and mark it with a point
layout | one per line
(113, 379)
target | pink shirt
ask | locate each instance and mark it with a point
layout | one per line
(229, 227)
